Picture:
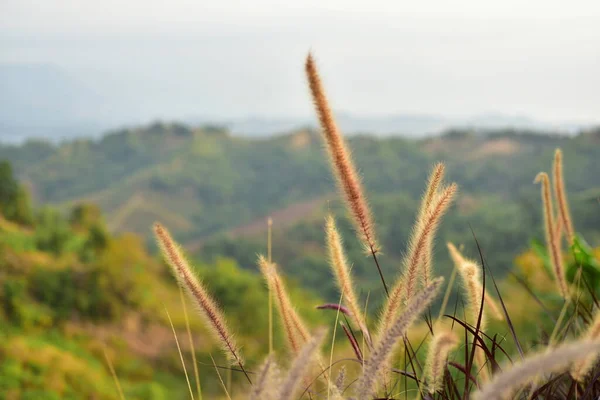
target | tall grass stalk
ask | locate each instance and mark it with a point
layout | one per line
(552, 241)
(561, 196)
(343, 167)
(220, 377)
(187, 378)
(208, 307)
(113, 373)
(191, 340)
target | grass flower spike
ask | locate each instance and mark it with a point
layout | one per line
(441, 344)
(341, 162)
(343, 276)
(384, 349)
(580, 369)
(561, 196)
(435, 179)
(405, 287)
(207, 306)
(552, 241)
(295, 330)
(556, 359)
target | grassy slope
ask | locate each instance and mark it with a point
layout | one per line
(204, 183)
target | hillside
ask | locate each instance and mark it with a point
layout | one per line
(72, 294)
(214, 189)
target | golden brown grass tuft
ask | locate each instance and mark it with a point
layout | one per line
(552, 240)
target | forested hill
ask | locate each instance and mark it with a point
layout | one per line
(204, 182)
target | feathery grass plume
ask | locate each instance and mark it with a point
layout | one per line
(490, 302)
(553, 360)
(384, 349)
(469, 272)
(207, 306)
(341, 162)
(580, 369)
(405, 287)
(267, 382)
(425, 230)
(552, 241)
(441, 344)
(343, 276)
(561, 196)
(295, 331)
(433, 183)
(300, 365)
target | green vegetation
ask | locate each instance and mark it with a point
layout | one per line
(73, 284)
(214, 191)
(70, 290)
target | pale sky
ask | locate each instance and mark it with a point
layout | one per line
(179, 58)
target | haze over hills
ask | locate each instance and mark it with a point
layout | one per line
(46, 101)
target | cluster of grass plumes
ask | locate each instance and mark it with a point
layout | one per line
(482, 369)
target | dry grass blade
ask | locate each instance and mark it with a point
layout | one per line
(383, 350)
(552, 241)
(343, 276)
(554, 360)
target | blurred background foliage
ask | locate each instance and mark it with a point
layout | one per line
(80, 276)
